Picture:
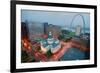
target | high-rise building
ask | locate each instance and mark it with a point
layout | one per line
(24, 30)
(54, 29)
(45, 27)
(78, 30)
(36, 30)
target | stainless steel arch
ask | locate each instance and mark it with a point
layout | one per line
(82, 19)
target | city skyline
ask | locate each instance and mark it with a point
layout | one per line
(63, 19)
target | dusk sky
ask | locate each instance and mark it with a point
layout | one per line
(55, 18)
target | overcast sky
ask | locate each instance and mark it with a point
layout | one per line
(56, 18)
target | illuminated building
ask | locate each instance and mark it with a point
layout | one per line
(50, 44)
(24, 30)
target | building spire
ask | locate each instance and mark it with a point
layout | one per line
(50, 35)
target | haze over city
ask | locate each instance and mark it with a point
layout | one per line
(63, 19)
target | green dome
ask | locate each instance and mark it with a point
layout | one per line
(50, 42)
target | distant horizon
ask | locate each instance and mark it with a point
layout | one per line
(62, 19)
(62, 27)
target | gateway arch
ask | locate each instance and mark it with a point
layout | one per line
(83, 22)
